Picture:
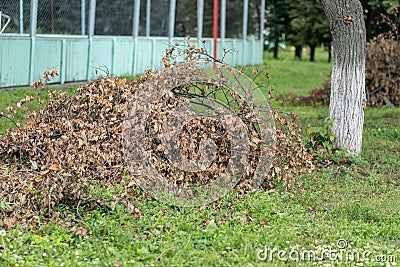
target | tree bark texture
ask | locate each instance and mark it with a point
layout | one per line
(348, 74)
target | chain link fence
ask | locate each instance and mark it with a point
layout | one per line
(254, 19)
(61, 16)
(186, 18)
(53, 17)
(15, 16)
(159, 17)
(116, 18)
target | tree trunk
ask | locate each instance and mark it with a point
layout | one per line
(276, 47)
(368, 21)
(312, 53)
(348, 75)
(330, 52)
(298, 52)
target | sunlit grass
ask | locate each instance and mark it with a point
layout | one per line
(299, 77)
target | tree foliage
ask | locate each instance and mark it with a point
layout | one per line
(373, 10)
(278, 22)
(303, 23)
(308, 25)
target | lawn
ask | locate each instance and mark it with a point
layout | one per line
(300, 77)
(347, 214)
(11, 98)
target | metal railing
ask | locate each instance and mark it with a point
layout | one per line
(129, 18)
(8, 19)
(41, 34)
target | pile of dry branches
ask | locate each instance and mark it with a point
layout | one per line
(74, 145)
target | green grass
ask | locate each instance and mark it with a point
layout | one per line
(10, 99)
(300, 77)
(357, 201)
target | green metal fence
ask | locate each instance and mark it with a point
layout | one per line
(24, 57)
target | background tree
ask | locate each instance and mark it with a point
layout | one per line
(373, 10)
(348, 75)
(277, 22)
(308, 26)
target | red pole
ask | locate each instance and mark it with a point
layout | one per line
(215, 32)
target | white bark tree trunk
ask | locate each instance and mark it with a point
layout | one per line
(348, 75)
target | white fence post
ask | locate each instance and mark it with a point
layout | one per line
(92, 17)
(172, 9)
(83, 17)
(136, 14)
(148, 18)
(34, 11)
(21, 16)
(223, 19)
(200, 12)
(262, 21)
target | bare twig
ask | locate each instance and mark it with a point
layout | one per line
(163, 252)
